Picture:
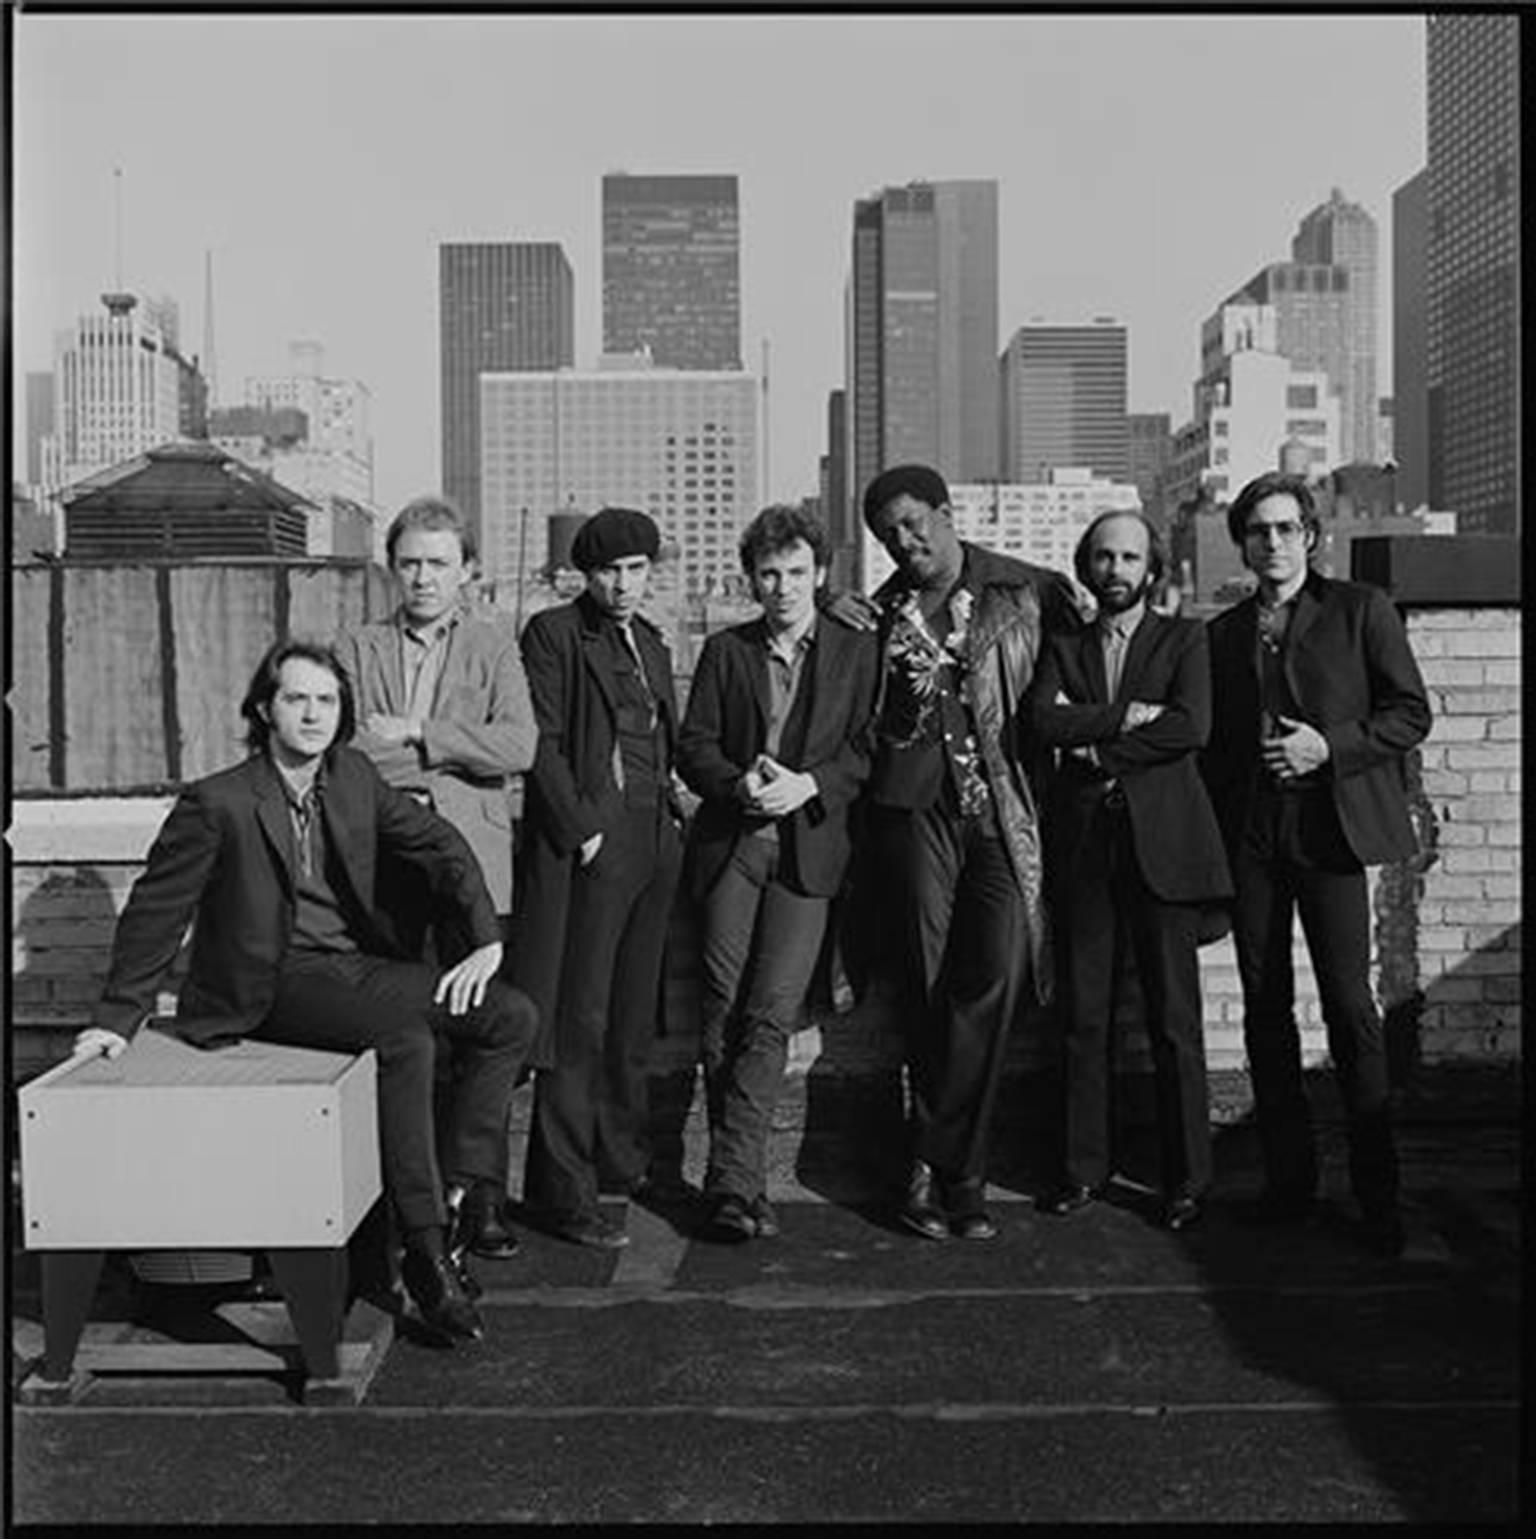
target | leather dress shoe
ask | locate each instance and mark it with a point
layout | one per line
(480, 1224)
(1071, 1197)
(1182, 1211)
(731, 1220)
(764, 1217)
(919, 1211)
(968, 1216)
(589, 1228)
(435, 1288)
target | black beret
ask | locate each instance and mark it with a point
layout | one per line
(610, 535)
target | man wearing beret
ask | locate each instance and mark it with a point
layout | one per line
(603, 854)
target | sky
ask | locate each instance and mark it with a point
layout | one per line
(1147, 166)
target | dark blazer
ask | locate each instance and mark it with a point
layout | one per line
(573, 791)
(1173, 828)
(726, 727)
(1354, 678)
(223, 861)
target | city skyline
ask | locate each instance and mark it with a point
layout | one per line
(1142, 163)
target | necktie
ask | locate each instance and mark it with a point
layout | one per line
(1114, 659)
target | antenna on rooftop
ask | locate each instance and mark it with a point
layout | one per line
(118, 302)
(210, 368)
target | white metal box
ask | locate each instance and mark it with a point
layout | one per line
(249, 1146)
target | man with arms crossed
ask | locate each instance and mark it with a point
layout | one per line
(954, 824)
(1315, 700)
(774, 741)
(601, 867)
(1132, 852)
(444, 713)
(276, 863)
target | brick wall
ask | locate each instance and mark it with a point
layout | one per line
(1447, 926)
(1468, 909)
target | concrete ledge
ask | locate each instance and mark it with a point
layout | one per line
(57, 830)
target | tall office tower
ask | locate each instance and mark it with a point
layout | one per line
(1410, 336)
(671, 269)
(1149, 448)
(501, 306)
(1063, 401)
(835, 511)
(120, 386)
(1474, 269)
(921, 332)
(681, 444)
(1344, 234)
(1324, 300)
(39, 423)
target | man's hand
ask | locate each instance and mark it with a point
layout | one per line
(97, 1039)
(589, 848)
(852, 609)
(780, 791)
(1138, 713)
(392, 729)
(1299, 750)
(464, 984)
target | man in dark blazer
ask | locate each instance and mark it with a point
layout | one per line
(775, 743)
(602, 856)
(1132, 853)
(1316, 699)
(276, 863)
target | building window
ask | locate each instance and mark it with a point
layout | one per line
(1219, 426)
(1306, 427)
(1301, 397)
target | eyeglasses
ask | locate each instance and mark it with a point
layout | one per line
(1285, 529)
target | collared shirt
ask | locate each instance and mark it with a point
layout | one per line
(423, 650)
(319, 921)
(1115, 632)
(786, 667)
(303, 813)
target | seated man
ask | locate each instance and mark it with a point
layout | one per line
(276, 862)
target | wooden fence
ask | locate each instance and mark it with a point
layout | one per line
(128, 678)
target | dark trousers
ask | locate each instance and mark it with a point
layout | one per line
(760, 945)
(1292, 861)
(1103, 907)
(347, 1001)
(962, 940)
(593, 1105)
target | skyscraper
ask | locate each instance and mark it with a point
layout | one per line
(921, 333)
(502, 306)
(1410, 303)
(1324, 301)
(121, 386)
(1063, 391)
(671, 269)
(681, 444)
(1344, 234)
(1149, 443)
(1473, 309)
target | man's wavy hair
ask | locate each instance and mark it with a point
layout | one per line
(777, 526)
(1274, 483)
(268, 675)
(433, 513)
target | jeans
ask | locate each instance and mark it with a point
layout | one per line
(760, 945)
